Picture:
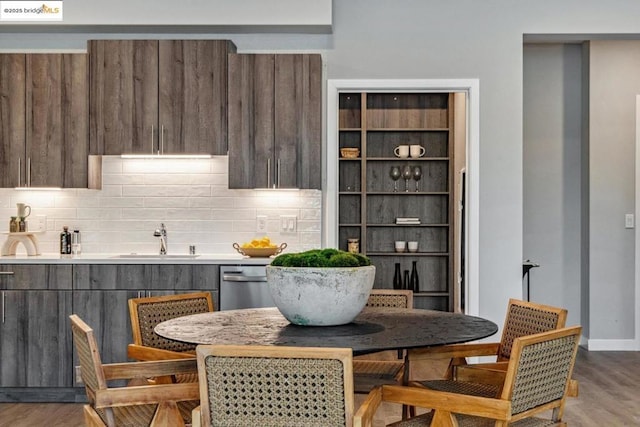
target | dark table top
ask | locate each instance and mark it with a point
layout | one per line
(374, 329)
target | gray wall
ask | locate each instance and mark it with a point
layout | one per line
(454, 39)
(552, 100)
(614, 84)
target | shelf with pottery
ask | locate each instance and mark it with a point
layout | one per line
(395, 160)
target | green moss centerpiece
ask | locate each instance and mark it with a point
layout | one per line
(320, 287)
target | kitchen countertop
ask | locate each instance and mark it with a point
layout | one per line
(53, 258)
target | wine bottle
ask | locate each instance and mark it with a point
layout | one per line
(415, 282)
(407, 281)
(397, 277)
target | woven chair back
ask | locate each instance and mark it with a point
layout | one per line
(390, 298)
(543, 368)
(526, 318)
(154, 310)
(289, 387)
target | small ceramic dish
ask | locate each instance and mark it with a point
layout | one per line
(350, 153)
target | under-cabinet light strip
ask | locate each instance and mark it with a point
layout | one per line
(165, 156)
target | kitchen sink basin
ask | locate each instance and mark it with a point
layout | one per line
(156, 256)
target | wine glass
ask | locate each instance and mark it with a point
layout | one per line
(417, 174)
(395, 176)
(406, 174)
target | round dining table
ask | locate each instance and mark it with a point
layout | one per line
(374, 329)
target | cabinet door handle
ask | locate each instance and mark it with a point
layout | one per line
(28, 171)
(278, 173)
(162, 139)
(2, 306)
(268, 173)
(19, 171)
(6, 273)
(152, 139)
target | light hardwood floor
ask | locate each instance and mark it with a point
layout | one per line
(609, 397)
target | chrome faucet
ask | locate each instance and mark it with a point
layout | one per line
(162, 234)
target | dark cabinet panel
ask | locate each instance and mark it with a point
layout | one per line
(142, 277)
(57, 126)
(44, 120)
(12, 117)
(193, 95)
(167, 96)
(123, 108)
(35, 339)
(35, 276)
(107, 313)
(275, 121)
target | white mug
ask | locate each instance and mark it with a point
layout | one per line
(401, 151)
(412, 246)
(416, 150)
(24, 210)
(400, 245)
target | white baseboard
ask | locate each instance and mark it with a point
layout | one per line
(612, 345)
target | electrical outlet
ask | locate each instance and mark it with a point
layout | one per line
(261, 223)
(39, 223)
(288, 223)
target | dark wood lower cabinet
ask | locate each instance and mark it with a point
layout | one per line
(35, 339)
(37, 357)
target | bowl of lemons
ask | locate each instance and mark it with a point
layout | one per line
(259, 248)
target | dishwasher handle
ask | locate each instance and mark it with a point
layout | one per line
(243, 278)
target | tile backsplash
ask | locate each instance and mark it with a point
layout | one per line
(190, 196)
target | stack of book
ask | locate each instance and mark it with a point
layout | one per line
(407, 221)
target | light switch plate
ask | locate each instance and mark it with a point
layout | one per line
(288, 223)
(629, 221)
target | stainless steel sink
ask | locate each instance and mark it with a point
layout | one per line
(156, 256)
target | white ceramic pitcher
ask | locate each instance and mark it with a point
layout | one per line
(24, 210)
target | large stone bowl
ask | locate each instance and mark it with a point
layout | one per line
(320, 296)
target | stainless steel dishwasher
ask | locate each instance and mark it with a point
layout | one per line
(244, 286)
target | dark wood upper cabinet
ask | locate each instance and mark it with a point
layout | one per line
(123, 108)
(44, 120)
(167, 96)
(57, 131)
(275, 120)
(12, 117)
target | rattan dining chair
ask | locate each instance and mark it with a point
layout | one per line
(368, 372)
(140, 405)
(146, 313)
(486, 379)
(274, 386)
(537, 380)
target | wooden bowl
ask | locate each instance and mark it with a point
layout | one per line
(259, 252)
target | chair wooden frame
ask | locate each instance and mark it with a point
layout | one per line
(368, 372)
(137, 350)
(445, 404)
(343, 355)
(457, 353)
(107, 399)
